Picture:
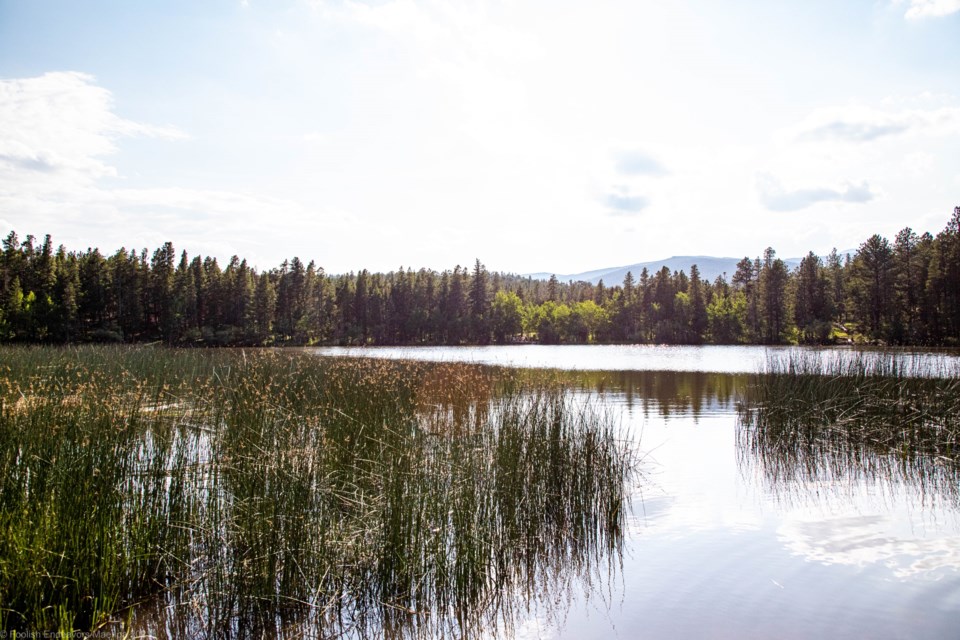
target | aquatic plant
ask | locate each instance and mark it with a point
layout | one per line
(883, 415)
(247, 492)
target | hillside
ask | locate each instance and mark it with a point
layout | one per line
(710, 267)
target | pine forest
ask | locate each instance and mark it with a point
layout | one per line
(900, 292)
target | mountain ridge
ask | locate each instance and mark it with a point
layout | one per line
(710, 267)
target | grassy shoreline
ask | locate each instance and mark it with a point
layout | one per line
(809, 419)
(271, 488)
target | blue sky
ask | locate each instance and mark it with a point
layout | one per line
(535, 136)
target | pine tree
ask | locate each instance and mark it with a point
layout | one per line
(773, 282)
(185, 308)
(479, 304)
(65, 298)
(698, 318)
(160, 303)
(811, 309)
(870, 284)
(264, 306)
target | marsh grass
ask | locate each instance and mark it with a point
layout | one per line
(239, 493)
(877, 416)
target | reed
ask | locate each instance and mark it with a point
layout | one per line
(880, 415)
(252, 492)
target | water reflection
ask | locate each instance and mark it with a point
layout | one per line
(862, 540)
(651, 357)
(900, 438)
(763, 538)
(666, 393)
(799, 431)
(786, 536)
(478, 495)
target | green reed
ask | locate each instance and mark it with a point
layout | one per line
(248, 492)
(877, 415)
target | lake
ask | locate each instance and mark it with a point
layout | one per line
(723, 543)
(712, 358)
(625, 492)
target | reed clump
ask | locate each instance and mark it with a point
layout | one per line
(883, 414)
(248, 492)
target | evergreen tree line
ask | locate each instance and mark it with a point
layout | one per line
(901, 292)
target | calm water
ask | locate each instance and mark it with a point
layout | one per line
(723, 545)
(724, 359)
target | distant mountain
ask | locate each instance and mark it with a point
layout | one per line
(710, 267)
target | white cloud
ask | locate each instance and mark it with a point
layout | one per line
(458, 28)
(858, 169)
(931, 8)
(211, 222)
(864, 540)
(633, 163)
(57, 132)
(775, 198)
(56, 129)
(621, 202)
(855, 123)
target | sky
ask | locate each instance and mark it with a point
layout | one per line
(532, 135)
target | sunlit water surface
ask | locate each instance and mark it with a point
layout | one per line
(722, 359)
(716, 548)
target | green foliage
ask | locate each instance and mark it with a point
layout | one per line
(727, 318)
(870, 285)
(243, 488)
(807, 417)
(587, 320)
(903, 293)
(507, 316)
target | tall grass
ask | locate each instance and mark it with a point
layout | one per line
(234, 493)
(876, 415)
